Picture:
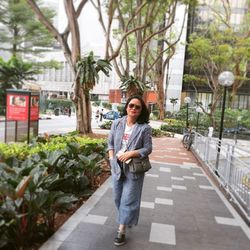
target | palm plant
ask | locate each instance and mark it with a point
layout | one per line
(173, 101)
(133, 86)
(87, 70)
(13, 73)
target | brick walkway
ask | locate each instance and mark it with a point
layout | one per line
(181, 209)
(170, 150)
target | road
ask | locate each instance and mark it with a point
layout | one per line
(64, 124)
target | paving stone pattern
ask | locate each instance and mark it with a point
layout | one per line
(180, 210)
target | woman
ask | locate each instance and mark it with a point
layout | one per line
(130, 136)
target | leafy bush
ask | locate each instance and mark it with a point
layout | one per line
(173, 125)
(106, 125)
(107, 105)
(159, 133)
(156, 114)
(39, 180)
(58, 103)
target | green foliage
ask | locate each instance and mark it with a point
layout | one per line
(106, 125)
(22, 151)
(22, 32)
(42, 180)
(217, 48)
(87, 70)
(120, 108)
(159, 133)
(96, 103)
(107, 105)
(173, 125)
(58, 103)
(52, 64)
(134, 85)
(13, 73)
(155, 114)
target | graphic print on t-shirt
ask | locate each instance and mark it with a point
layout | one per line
(126, 136)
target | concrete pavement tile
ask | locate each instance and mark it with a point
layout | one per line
(223, 235)
(162, 233)
(206, 187)
(167, 189)
(95, 219)
(146, 204)
(185, 223)
(164, 201)
(179, 187)
(165, 169)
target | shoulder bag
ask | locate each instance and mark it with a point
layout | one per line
(139, 165)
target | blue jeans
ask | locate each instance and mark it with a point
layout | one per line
(127, 196)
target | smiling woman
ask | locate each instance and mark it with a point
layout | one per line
(130, 137)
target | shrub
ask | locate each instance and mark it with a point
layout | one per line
(58, 103)
(173, 125)
(106, 125)
(41, 179)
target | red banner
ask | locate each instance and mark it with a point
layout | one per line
(17, 107)
(34, 108)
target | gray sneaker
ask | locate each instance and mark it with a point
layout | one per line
(120, 239)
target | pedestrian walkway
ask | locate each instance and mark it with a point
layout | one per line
(181, 209)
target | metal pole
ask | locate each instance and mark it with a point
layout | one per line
(187, 117)
(28, 132)
(197, 122)
(221, 127)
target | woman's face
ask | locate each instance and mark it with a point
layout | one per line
(134, 108)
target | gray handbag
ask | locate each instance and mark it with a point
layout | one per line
(139, 165)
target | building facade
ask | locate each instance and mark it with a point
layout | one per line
(199, 19)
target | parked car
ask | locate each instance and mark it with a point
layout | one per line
(111, 115)
(238, 130)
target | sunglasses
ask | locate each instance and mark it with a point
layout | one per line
(132, 105)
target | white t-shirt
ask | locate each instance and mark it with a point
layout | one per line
(127, 133)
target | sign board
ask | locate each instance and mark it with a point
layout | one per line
(17, 107)
(22, 110)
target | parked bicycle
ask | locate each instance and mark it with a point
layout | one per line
(188, 138)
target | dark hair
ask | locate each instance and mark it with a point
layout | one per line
(144, 115)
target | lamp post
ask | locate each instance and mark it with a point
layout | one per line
(236, 131)
(226, 79)
(187, 100)
(198, 110)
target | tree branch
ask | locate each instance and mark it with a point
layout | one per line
(78, 12)
(52, 30)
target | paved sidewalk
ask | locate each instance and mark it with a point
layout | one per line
(181, 209)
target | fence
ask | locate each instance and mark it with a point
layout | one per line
(17, 131)
(229, 165)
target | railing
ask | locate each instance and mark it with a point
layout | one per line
(229, 165)
(17, 131)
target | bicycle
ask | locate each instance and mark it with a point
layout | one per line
(188, 138)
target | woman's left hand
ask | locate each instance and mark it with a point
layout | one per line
(125, 156)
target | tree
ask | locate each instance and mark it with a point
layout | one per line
(173, 101)
(72, 52)
(143, 43)
(220, 47)
(21, 32)
(13, 73)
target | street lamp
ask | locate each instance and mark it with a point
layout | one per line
(198, 110)
(226, 79)
(187, 100)
(236, 131)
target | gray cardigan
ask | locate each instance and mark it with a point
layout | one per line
(140, 139)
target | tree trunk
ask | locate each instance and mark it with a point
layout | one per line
(160, 95)
(83, 111)
(81, 99)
